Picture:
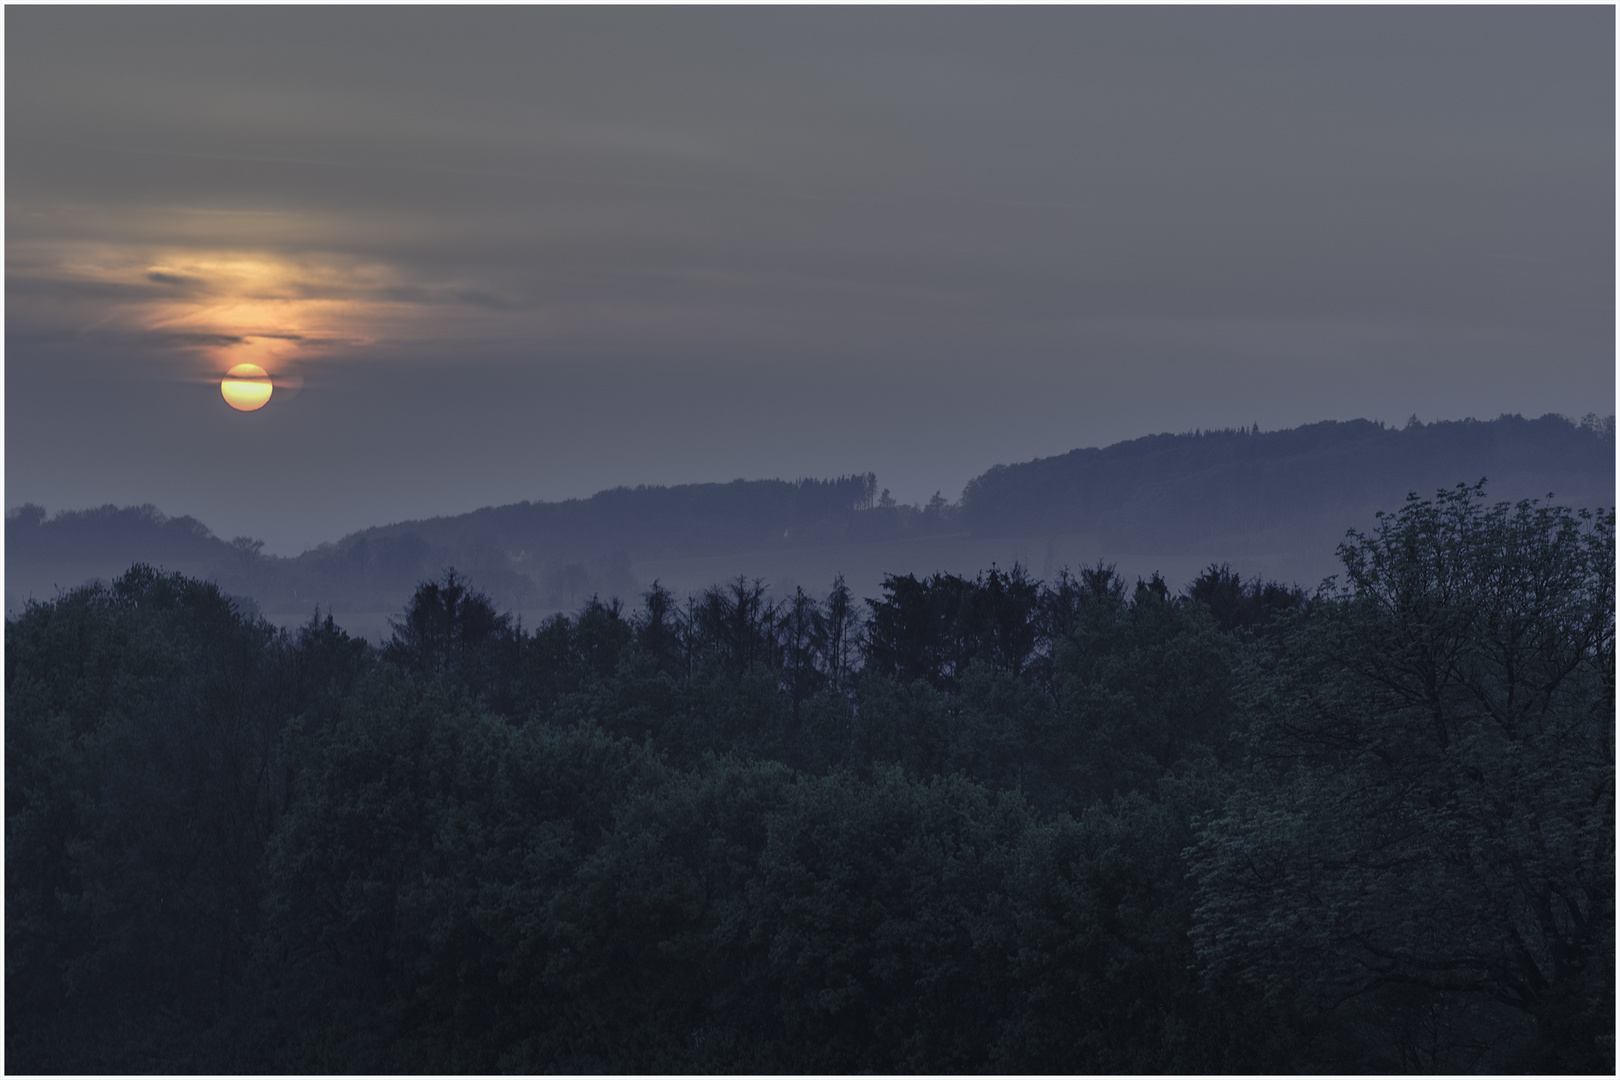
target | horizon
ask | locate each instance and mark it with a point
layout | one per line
(268, 549)
(531, 254)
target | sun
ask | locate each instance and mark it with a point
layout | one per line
(245, 387)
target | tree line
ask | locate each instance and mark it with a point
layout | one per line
(972, 824)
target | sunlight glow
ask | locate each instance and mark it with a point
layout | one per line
(283, 311)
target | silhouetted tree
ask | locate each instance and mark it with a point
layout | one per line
(1434, 828)
(1244, 609)
(837, 637)
(453, 631)
(800, 674)
(737, 624)
(659, 630)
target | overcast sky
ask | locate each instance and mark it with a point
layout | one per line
(519, 253)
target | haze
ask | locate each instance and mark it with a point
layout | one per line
(526, 253)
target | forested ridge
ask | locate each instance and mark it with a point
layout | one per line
(1228, 493)
(1283, 487)
(970, 824)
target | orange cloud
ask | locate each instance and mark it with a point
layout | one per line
(238, 306)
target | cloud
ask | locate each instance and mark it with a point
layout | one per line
(225, 305)
(488, 301)
(45, 286)
(169, 339)
(179, 280)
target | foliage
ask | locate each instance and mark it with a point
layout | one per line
(994, 825)
(142, 729)
(1434, 814)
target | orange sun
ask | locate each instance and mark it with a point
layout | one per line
(246, 387)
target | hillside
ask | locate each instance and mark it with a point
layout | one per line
(1277, 490)
(530, 555)
(1276, 502)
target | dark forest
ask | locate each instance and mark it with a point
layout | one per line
(988, 824)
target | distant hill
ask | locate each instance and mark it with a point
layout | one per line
(691, 519)
(130, 533)
(527, 554)
(1247, 490)
(1239, 495)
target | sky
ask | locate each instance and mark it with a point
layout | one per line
(531, 253)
